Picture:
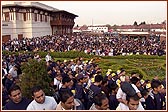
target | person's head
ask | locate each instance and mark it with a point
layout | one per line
(114, 88)
(156, 85)
(98, 79)
(144, 93)
(38, 94)
(105, 82)
(66, 81)
(133, 74)
(133, 102)
(101, 101)
(127, 78)
(67, 100)
(135, 81)
(58, 76)
(15, 93)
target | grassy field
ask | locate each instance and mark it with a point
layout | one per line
(148, 66)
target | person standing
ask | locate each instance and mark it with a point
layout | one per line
(17, 101)
(41, 102)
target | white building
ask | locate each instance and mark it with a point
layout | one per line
(98, 29)
(34, 19)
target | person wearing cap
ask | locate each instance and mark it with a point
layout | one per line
(79, 90)
(133, 103)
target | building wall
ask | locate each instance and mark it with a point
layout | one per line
(24, 21)
(29, 28)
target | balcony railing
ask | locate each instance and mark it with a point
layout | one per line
(61, 22)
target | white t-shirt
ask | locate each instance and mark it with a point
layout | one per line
(49, 104)
(122, 106)
(122, 95)
(13, 72)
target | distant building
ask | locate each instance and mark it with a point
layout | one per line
(90, 29)
(98, 29)
(146, 30)
(34, 19)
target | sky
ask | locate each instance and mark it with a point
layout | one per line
(113, 12)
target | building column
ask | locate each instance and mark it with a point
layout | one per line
(10, 16)
(14, 16)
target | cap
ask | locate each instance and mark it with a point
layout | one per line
(148, 85)
(108, 73)
(118, 71)
(113, 74)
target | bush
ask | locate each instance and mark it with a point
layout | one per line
(34, 73)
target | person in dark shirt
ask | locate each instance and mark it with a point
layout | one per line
(66, 83)
(104, 87)
(113, 102)
(155, 98)
(5, 97)
(17, 101)
(79, 90)
(94, 89)
(9, 81)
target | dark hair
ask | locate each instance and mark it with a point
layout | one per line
(98, 99)
(104, 81)
(140, 76)
(113, 86)
(134, 80)
(144, 92)
(13, 88)
(98, 78)
(64, 95)
(66, 79)
(35, 89)
(134, 97)
(155, 84)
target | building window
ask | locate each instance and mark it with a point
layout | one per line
(35, 17)
(41, 19)
(24, 16)
(45, 18)
(6, 16)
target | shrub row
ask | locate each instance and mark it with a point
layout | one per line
(75, 54)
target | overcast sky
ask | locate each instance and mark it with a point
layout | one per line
(113, 12)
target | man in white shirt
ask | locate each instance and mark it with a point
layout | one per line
(41, 102)
(48, 57)
(132, 104)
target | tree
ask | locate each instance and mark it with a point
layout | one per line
(142, 23)
(135, 23)
(109, 26)
(34, 73)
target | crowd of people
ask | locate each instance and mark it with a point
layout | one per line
(97, 45)
(80, 85)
